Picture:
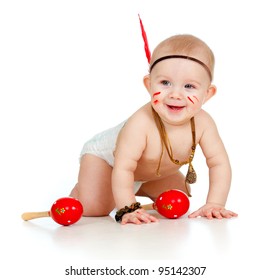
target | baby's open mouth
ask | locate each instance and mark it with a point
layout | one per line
(175, 108)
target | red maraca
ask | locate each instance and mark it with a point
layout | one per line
(65, 211)
(171, 204)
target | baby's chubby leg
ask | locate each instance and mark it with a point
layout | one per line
(94, 189)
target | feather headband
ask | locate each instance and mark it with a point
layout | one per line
(148, 54)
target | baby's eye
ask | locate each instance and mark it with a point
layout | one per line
(189, 86)
(166, 83)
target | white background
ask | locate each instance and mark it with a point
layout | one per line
(69, 69)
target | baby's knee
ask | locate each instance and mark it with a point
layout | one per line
(92, 206)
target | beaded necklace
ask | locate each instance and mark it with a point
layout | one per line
(165, 142)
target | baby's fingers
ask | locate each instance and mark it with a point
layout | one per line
(195, 214)
(128, 218)
(138, 217)
(147, 218)
(228, 214)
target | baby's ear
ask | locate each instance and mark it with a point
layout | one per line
(147, 82)
(210, 92)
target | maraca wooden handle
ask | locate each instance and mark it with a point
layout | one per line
(33, 215)
(149, 206)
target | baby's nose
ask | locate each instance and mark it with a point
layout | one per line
(176, 94)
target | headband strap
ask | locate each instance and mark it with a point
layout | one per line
(185, 57)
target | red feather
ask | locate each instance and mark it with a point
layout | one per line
(146, 46)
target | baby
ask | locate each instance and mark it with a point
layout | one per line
(142, 155)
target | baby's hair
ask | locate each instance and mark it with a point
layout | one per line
(188, 45)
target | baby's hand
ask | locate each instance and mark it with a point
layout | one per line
(137, 217)
(211, 210)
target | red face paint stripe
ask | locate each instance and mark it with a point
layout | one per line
(155, 102)
(157, 93)
(195, 97)
(190, 100)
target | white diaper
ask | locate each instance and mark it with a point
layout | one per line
(103, 144)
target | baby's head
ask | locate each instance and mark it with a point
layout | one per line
(188, 46)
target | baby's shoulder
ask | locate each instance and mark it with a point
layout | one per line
(142, 118)
(203, 116)
(138, 124)
(204, 121)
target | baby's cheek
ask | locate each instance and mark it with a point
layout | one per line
(194, 104)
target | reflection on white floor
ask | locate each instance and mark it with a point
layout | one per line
(45, 249)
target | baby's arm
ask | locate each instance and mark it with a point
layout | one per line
(219, 173)
(130, 146)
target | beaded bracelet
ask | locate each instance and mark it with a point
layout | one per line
(120, 213)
